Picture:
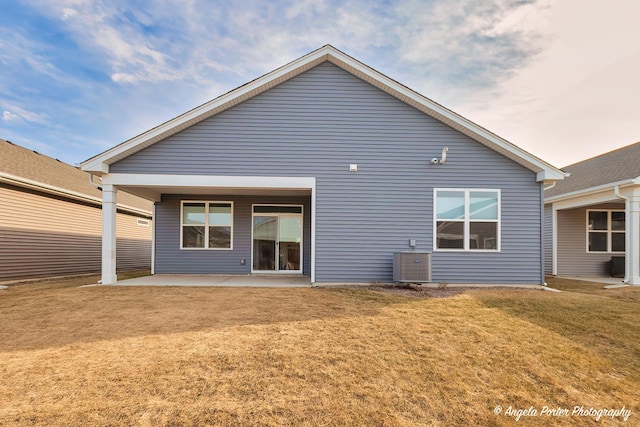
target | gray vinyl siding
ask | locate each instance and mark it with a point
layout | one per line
(573, 258)
(318, 123)
(45, 236)
(548, 240)
(171, 259)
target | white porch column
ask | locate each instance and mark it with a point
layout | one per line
(632, 230)
(109, 209)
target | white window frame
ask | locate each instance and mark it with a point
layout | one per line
(467, 220)
(206, 224)
(609, 231)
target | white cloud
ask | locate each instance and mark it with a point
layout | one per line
(99, 26)
(15, 113)
(68, 12)
(467, 44)
(8, 116)
(123, 78)
(544, 74)
(305, 9)
(578, 97)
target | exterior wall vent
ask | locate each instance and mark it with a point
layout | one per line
(412, 267)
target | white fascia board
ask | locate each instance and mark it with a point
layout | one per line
(59, 191)
(584, 193)
(605, 196)
(550, 175)
(95, 167)
(99, 163)
(154, 180)
(546, 171)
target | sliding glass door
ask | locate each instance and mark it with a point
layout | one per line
(277, 238)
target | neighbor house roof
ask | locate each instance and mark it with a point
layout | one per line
(99, 164)
(610, 168)
(26, 168)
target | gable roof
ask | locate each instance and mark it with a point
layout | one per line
(609, 168)
(99, 164)
(26, 168)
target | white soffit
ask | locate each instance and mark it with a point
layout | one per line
(545, 171)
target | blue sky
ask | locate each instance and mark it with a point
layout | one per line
(557, 78)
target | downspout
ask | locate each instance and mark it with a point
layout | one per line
(616, 190)
(553, 184)
(93, 183)
(542, 278)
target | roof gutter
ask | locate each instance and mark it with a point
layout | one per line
(616, 191)
(58, 191)
(593, 190)
(93, 183)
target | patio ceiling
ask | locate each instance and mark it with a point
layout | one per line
(144, 191)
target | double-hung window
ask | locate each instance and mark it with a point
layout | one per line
(467, 220)
(605, 231)
(206, 225)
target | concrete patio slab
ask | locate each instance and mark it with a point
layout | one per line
(256, 281)
(617, 286)
(603, 280)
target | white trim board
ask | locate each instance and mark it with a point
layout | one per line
(592, 191)
(220, 181)
(607, 196)
(99, 164)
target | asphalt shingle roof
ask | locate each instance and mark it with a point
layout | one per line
(617, 165)
(28, 164)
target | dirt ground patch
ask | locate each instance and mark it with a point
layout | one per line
(415, 291)
(122, 356)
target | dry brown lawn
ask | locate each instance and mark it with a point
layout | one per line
(307, 356)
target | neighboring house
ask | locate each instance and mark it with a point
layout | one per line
(325, 167)
(51, 219)
(594, 215)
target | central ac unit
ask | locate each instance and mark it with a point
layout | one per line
(412, 267)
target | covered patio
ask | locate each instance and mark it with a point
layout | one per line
(238, 191)
(593, 218)
(589, 229)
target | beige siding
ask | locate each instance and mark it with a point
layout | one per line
(548, 240)
(42, 236)
(134, 243)
(573, 258)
